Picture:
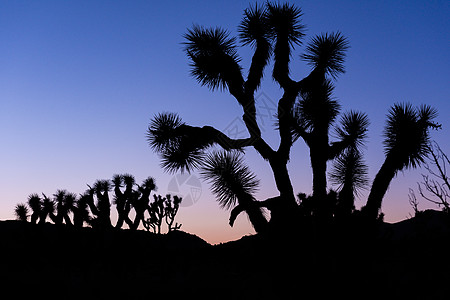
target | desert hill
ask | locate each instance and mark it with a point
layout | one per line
(407, 260)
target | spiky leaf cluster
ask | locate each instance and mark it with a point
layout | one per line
(229, 177)
(181, 147)
(284, 21)
(254, 26)
(103, 186)
(163, 133)
(316, 109)
(406, 134)
(349, 169)
(21, 212)
(149, 183)
(213, 55)
(327, 52)
(353, 128)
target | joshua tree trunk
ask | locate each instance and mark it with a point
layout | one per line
(319, 156)
(379, 188)
(253, 210)
(345, 203)
(284, 209)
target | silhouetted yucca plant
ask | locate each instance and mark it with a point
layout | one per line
(406, 145)
(34, 202)
(21, 212)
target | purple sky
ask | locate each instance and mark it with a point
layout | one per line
(80, 80)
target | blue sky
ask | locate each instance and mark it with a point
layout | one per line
(80, 80)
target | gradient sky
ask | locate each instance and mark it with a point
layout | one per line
(80, 81)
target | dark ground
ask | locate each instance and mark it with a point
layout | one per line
(406, 260)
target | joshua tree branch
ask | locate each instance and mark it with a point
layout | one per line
(213, 135)
(259, 62)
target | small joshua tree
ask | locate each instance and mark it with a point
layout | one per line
(21, 212)
(157, 213)
(171, 210)
(102, 187)
(34, 202)
(48, 209)
(141, 204)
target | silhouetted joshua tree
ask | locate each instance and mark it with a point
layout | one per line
(21, 212)
(141, 204)
(162, 208)
(157, 213)
(271, 30)
(119, 199)
(103, 209)
(350, 174)
(64, 204)
(315, 113)
(34, 202)
(349, 171)
(89, 196)
(130, 196)
(81, 211)
(170, 211)
(406, 145)
(48, 209)
(234, 184)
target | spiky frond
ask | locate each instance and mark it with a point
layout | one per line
(103, 185)
(48, 205)
(215, 62)
(117, 180)
(254, 25)
(69, 201)
(149, 183)
(316, 108)
(34, 202)
(353, 127)
(128, 179)
(285, 20)
(21, 212)
(350, 170)
(181, 159)
(162, 132)
(59, 196)
(406, 134)
(181, 146)
(229, 176)
(327, 52)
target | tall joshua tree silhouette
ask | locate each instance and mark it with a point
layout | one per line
(406, 145)
(305, 110)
